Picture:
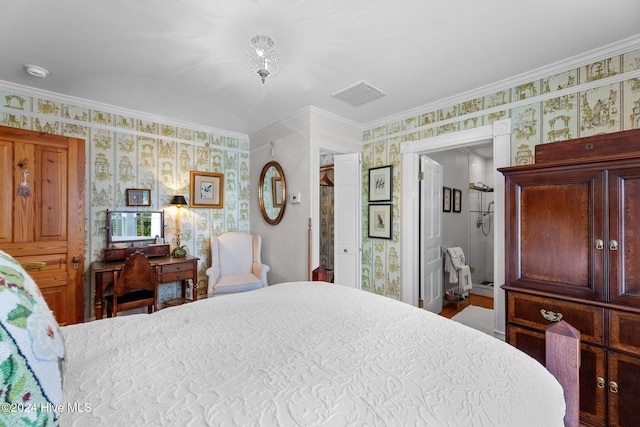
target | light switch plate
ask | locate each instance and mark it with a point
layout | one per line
(294, 198)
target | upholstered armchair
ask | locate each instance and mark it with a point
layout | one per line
(235, 264)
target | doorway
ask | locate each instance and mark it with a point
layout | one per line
(469, 170)
(499, 134)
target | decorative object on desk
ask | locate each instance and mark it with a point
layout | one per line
(380, 221)
(138, 197)
(457, 200)
(207, 189)
(380, 184)
(446, 199)
(179, 201)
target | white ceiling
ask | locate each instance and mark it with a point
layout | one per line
(184, 59)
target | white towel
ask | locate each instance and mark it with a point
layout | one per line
(454, 259)
(465, 278)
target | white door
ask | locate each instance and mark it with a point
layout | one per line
(431, 232)
(346, 193)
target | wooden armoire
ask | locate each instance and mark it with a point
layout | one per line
(573, 253)
(42, 214)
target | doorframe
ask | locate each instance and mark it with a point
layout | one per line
(500, 134)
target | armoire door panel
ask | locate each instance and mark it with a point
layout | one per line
(556, 219)
(624, 389)
(624, 236)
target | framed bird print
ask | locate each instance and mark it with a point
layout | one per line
(380, 221)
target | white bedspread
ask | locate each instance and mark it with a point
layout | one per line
(302, 354)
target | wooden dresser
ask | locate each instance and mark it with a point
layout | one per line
(573, 253)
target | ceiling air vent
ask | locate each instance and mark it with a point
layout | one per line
(359, 93)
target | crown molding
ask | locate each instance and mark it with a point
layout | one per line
(95, 105)
(613, 49)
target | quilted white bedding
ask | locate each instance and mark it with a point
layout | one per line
(300, 354)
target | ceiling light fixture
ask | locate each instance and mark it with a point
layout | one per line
(36, 71)
(262, 57)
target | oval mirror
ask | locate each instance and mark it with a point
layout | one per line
(272, 192)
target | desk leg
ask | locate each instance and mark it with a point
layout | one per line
(99, 293)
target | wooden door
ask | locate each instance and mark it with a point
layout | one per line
(623, 244)
(623, 389)
(42, 211)
(555, 217)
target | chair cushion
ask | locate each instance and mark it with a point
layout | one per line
(132, 296)
(235, 252)
(237, 283)
(31, 349)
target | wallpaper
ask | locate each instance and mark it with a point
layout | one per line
(128, 151)
(592, 99)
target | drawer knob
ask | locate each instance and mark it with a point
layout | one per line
(613, 387)
(600, 382)
(551, 316)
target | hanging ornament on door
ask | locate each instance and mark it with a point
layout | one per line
(24, 189)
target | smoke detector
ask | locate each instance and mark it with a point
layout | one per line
(36, 71)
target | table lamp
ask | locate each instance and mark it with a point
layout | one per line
(179, 201)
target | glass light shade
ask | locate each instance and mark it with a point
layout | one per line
(262, 57)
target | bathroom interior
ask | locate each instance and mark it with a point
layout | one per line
(471, 171)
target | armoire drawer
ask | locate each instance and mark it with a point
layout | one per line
(530, 310)
(625, 331)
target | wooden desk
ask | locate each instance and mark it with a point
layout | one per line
(169, 270)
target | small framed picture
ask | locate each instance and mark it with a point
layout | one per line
(138, 197)
(457, 200)
(207, 189)
(380, 221)
(380, 184)
(446, 199)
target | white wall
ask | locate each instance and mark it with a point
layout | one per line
(298, 141)
(285, 245)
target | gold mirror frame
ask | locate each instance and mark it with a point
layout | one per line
(261, 195)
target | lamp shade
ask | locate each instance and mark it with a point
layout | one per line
(178, 200)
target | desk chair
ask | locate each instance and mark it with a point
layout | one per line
(134, 287)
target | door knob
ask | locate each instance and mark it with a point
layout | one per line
(613, 245)
(345, 250)
(76, 261)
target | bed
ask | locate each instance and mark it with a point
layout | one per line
(298, 354)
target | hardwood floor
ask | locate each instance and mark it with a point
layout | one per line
(450, 310)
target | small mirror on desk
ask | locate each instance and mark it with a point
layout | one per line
(131, 231)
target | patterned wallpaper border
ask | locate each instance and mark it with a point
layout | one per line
(599, 97)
